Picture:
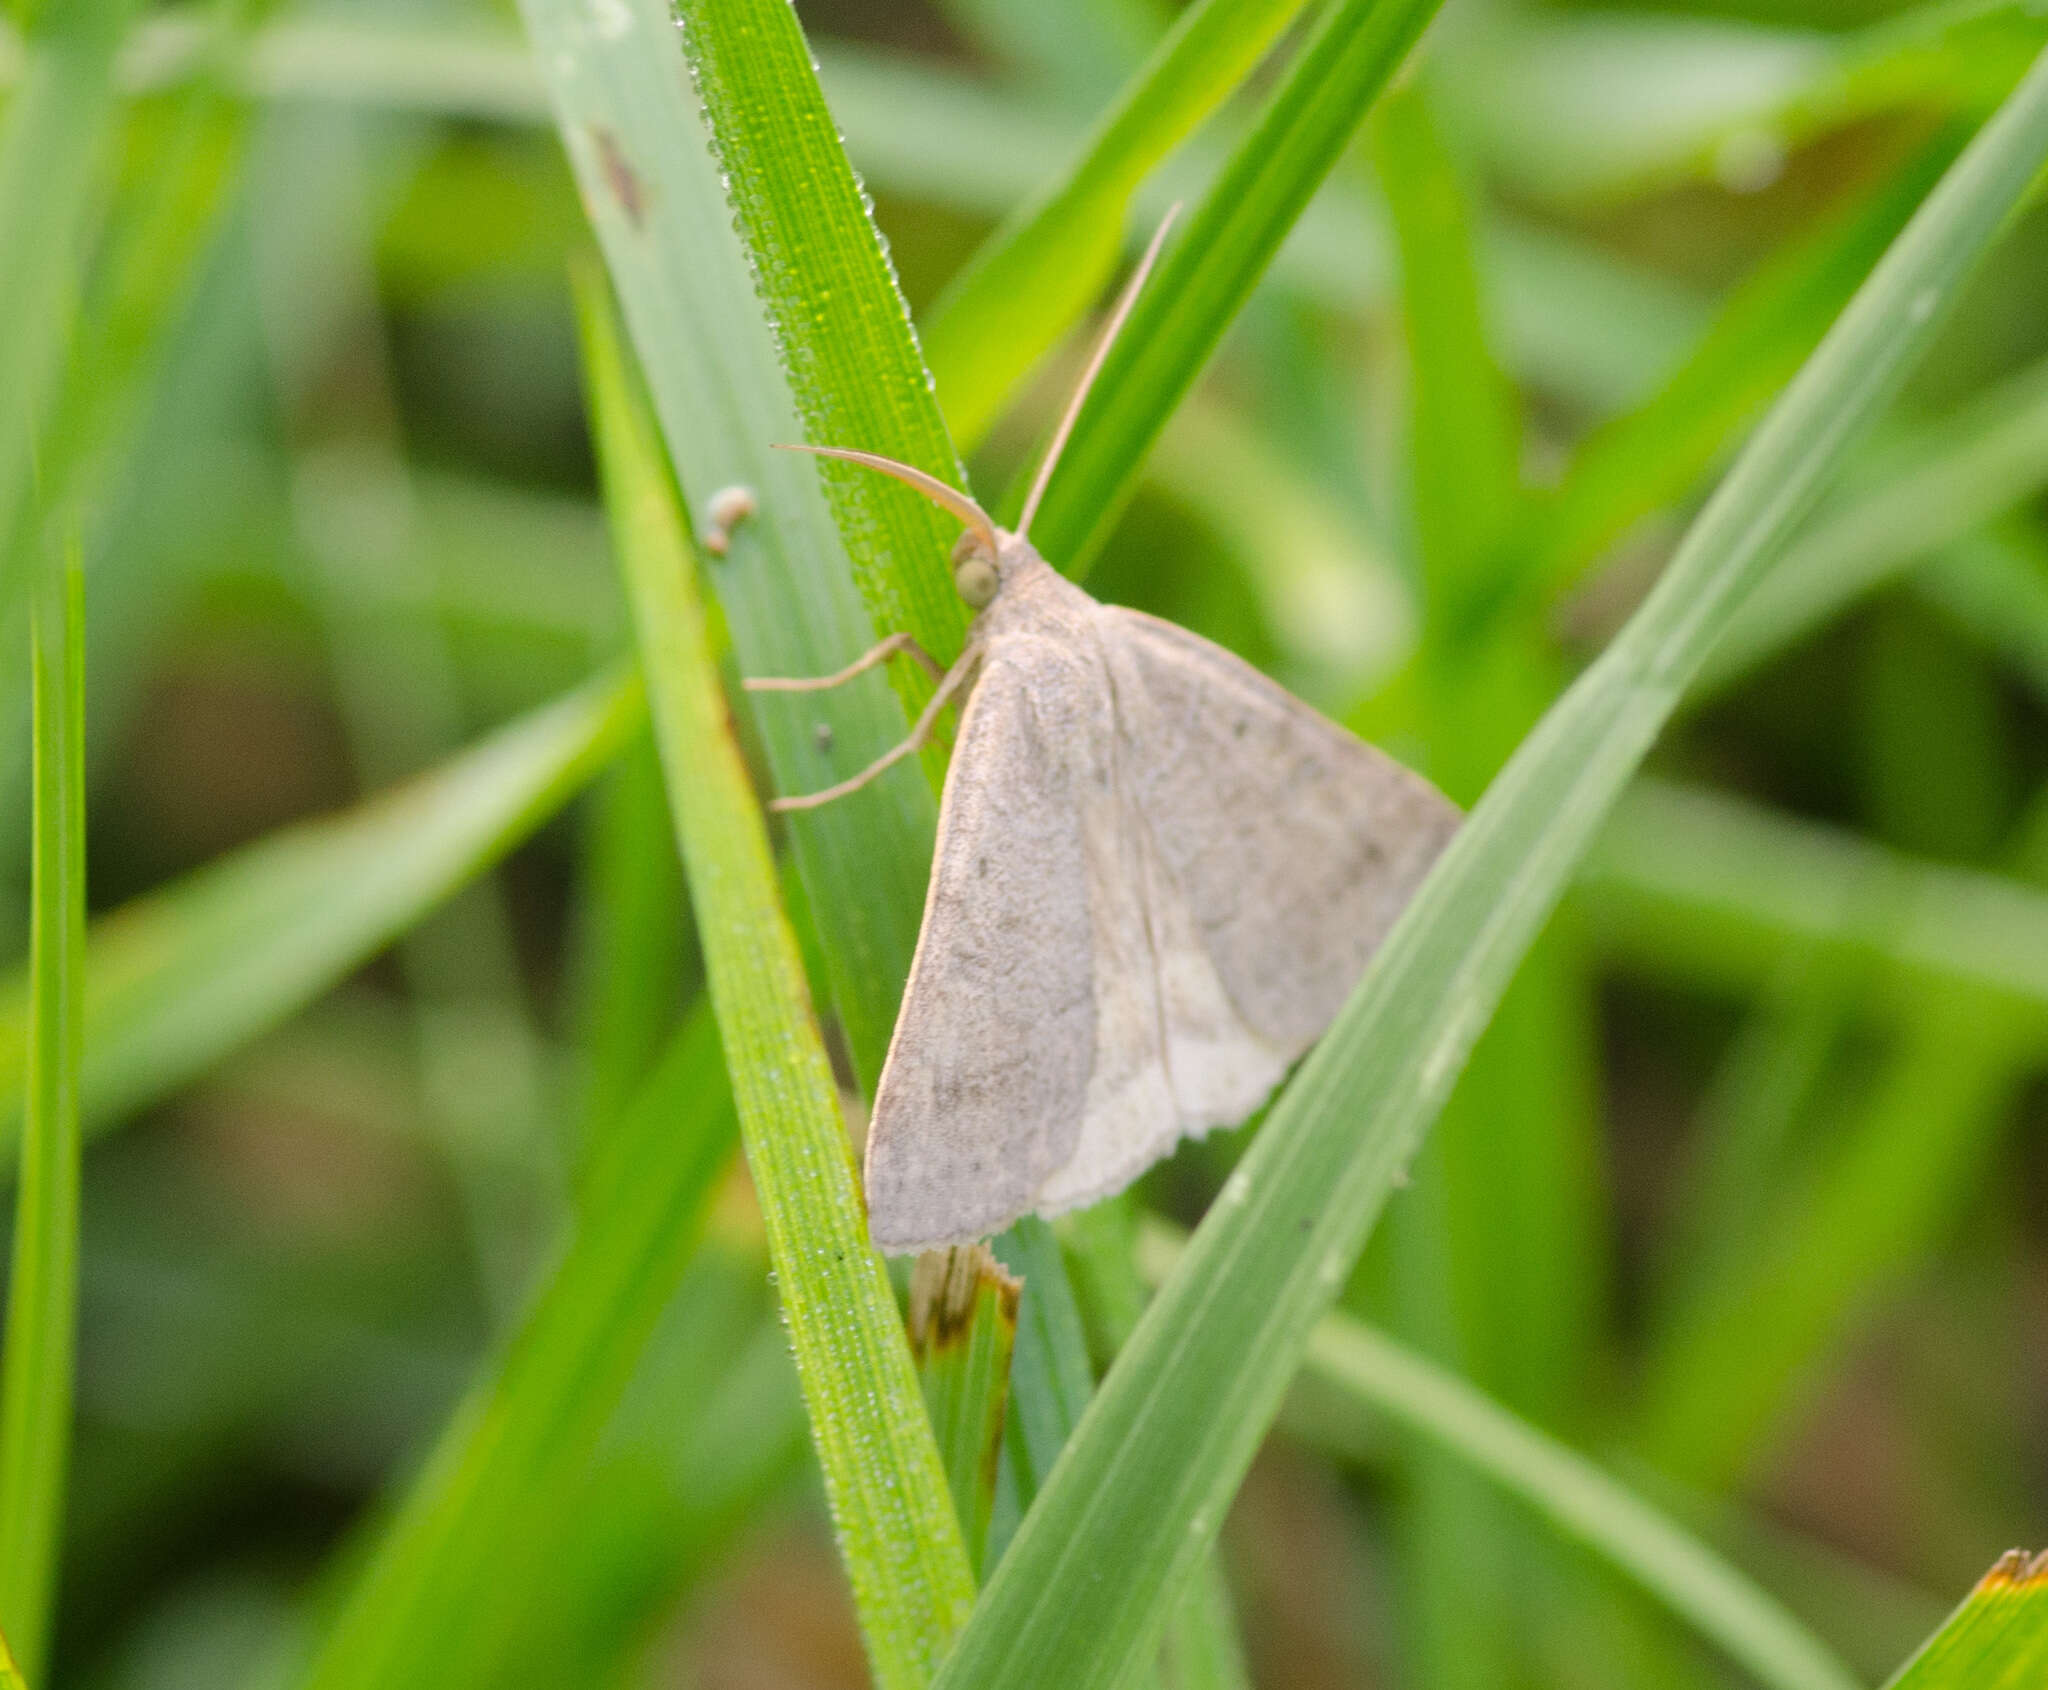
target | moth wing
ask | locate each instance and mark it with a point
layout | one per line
(987, 1074)
(1288, 845)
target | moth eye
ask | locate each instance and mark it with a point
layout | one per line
(974, 571)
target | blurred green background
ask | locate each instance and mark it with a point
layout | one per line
(1747, 1192)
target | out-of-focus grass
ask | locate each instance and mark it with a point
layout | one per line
(1735, 1210)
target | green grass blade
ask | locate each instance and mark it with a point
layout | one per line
(180, 977)
(1998, 1638)
(899, 1535)
(1724, 1367)
(475, 1534)
(1144, 1481)
(1208, 272)
(1610, 104)
(54, 138)
(42, 1289)
(1696, 886)
(1958, 473)
(963, 1330)
(1038, 272)
(1374, 1372)
(1996, 586)
(831, 296)
(10, 1673)
(630, 122)
(1464, 435)
(1654, 454)
(632, 936)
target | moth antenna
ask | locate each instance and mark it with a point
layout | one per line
(1104, 342)
(951, 498)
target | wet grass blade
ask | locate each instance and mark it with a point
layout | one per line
(899, 1536)
(42, 1288)
(1144, 1481)
(475, 1534)
(633, 130)
(177, 979)
(839, 319)
(1038, 272)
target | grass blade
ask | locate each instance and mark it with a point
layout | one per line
(1780, 1300)
(1207, 274)
(963, 1329)
(1464, 432)
(1144, 1481)
(180, 977)
(42, 1289)
(475, 1534)
(1037, 273)
(1707, 888)
(1960, 472)
(839, 319)
(1375, 1372)
(1657, 452)
(53, 145)
(1998, 1638)
(1996, 586)
(634, 135)
(899, 1536)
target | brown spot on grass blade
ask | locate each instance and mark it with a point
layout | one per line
(620, 176)
(2016, 1570)
(963, 1328)
(1997, 1639)
(946, 1289)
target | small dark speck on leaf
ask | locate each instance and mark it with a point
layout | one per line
(620, 176)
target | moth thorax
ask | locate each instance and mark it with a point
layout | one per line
(974, 570)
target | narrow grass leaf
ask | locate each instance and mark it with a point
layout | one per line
(1995, 585)
(1464, 434)
(631, 125)
(1998, 1638)
(476, 1532)
(1373, 1372)
(899, 1536)
(1656, 453)
(1698, 886)
(1144, 1481)
(839, 319)
(1209, 271)
(54, 139)
(963, 1329)
(1036, 274)
(1957, 473)
(42, 1288)
(180, 977)
(632, 936)
(1724, 1368)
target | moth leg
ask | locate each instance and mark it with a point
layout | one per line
(859, 666)
(954, 679)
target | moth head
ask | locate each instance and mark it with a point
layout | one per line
(978, 554)
(976, 574)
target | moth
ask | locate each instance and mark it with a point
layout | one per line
(1157, 876)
